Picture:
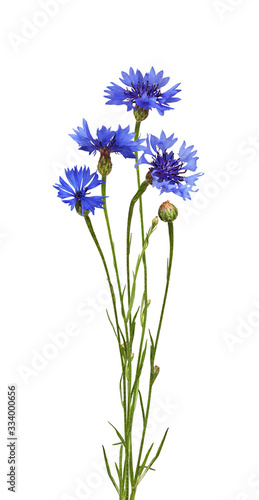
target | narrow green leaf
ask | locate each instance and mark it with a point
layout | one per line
(112, 325)
(155, 457)
(132, 330)
(123, 338)
(121, 474)
(144, 307)
(139, 259)
(143, 358)
(142, 407)
(145, 460)
(121, 393)
(109, 471)
(152, 350)
(151, 338)
(133, 326)
(118, 434)
(118, 472)
(135, 315)
(134, 402)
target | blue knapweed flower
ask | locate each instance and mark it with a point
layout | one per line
(78, 189)
(142, 92)
(108, 141)
(166, 172)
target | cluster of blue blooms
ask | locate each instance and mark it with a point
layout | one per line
(166, 171)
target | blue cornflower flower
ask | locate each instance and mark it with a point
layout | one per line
(108, 141)
(143, 92)
(77, 191)
(167, 172)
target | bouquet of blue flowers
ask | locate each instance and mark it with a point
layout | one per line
(170, 172)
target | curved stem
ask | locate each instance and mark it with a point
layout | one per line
(92, 232)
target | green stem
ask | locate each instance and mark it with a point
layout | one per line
(128, 458)
(169, 267)
(103, 190)
(138, 196)
(135, 198)
(137, 129)
(92, 232)
(126, 403)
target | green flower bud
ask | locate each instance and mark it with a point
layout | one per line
(167, 212)
(155, 222)
(104, 166)
(140, 114)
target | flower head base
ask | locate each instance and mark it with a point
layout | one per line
(140, 114)
(142, 93)
(104, 166)
(166, 172)
(77, 192)
(107, 141)
(167, 212)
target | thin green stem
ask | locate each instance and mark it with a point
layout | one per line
(137, 129)
(138, 196)
(92, 232)
(135, 198)
(125, 395)
(128, 458)
(103, 190)
(169, 268)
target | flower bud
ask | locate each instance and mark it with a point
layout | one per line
(155, 372)
(155, 222)
(167, 212)
(140, 114)
(104, 164)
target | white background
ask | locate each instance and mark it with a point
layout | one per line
(52, 281)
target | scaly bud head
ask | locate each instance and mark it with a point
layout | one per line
(140, 114)
(167, 212)
(104, 164)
